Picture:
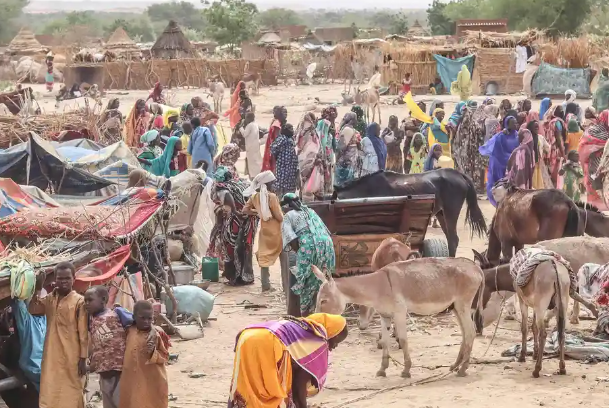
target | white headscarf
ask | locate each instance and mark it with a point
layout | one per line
(570, 95)
(260, 182)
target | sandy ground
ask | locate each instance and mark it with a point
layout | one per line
(433, 341)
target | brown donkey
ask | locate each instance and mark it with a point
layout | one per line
(391, 250)
(423, 286)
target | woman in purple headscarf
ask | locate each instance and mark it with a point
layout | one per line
(499, 148)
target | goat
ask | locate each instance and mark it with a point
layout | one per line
(423, 286)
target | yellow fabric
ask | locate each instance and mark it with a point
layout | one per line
(262, 373)
(415, 111)
(538, 178)
(333, 324)
(144, 378)
(573, 139)
(270, 242)
(185, 142)
(66, 342)
(462, 87)
(167, 112)
(222, 139)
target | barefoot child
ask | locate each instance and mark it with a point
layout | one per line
(144, 379)
(108, 339)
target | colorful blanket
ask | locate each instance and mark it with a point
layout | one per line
(86, 222)
(14, 199)
(306, 343)
(525, 261)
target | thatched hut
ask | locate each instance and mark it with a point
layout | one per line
(417, 30)
(121, 45)
(26, 44)
(172, 44)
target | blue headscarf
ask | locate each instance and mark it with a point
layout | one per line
(160, 165)
(456, 116)
(545, 105)
(429, 160)
(379, 146)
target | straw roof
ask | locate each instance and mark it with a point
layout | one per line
(501, 40)
(120, 43)
(172, 43)
(418, 30)
(25, 43)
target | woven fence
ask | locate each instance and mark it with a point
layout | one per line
(195, 73)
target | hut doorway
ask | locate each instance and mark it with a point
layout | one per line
(92, 74)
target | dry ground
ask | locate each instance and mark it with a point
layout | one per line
(433, 341)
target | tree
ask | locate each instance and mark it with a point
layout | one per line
(184, 13)
(438, 22)
(230, 22)
(9, 11)
(398, 24)
(278, 17)
(138, 28)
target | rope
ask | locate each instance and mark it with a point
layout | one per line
(499, 318)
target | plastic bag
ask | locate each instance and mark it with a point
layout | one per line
(315, 183)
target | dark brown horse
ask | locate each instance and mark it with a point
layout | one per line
(450, 187)
(529, 216)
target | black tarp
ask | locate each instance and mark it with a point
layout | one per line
(37, 163)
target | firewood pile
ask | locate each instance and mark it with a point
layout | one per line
(15, 129)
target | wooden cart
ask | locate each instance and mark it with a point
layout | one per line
(358, 226)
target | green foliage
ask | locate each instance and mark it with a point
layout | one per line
(182, 12)
(9, 11)
(276, 17)
(230, 22)
(139, 29)
(398, 24)
(556, 16)
(439, 23)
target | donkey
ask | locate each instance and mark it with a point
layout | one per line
(423, 286)
(370, 98)
(216, 91)
(391, 250)
(498, 278)
(550, 281)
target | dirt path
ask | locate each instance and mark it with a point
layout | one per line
(433, 341)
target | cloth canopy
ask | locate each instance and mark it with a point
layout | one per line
(448, 69)
(14, 199)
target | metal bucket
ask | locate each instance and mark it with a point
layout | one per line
(184, 273)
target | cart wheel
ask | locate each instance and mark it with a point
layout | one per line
(435, 248)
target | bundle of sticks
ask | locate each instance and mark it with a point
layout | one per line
(15, 129)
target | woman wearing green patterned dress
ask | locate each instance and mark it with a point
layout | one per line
(306, 234)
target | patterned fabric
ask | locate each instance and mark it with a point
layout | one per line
(574, 176)
(268, 161)
(348, 160)
(283, 150)
(326, 152)
(360, 124)
(468, 138)
(554, 124)
(232, 237)
(108, 339)
(315, 248)
(592, 277)
(522, 163)
(85, 222)
(523, 264)
(591, 154)
(228, 158)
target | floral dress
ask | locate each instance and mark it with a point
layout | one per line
(349, 157)
(574, 177)
(315, 248)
